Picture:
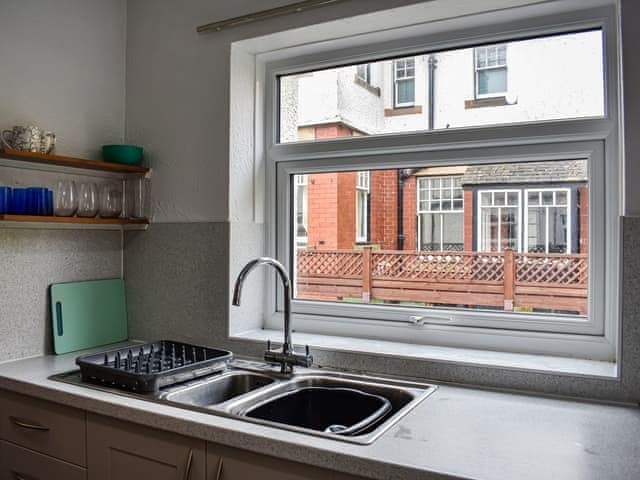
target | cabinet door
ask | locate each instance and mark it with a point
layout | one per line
(17, 463)
(117, 450)
(225, 463)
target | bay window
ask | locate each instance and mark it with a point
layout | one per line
(499, 220)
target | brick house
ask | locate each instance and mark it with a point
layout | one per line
(536, 207)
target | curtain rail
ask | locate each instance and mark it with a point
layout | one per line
(264, 15)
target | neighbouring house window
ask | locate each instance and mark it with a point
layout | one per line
(301, 199)
(440, 213)
(499, 220)
(362, 206)
(363, 71)
(404, 73)
(548, 221)
(491, 70)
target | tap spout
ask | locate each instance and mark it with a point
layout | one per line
(287, 347)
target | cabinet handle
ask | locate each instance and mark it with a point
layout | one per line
(187, 470)
(219, 472)
(27, 424)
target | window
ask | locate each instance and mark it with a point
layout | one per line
(499, 220)
(440, 213)
(404, 72)
(300, 200)
(314, 101)
(362, 207)
(454, 218)
(491, 70)
(363, 72)
(548, 221)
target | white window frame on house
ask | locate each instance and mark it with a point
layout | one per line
(482, 227)
(568, 207)
(496, 66)
(400, 75)
(301, 182)
(441, 211)
(363, 72)
(595, 140)
(363, 181)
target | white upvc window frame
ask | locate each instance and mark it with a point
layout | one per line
(363, 182)
(481, 226)
(441, 212)
(593, 139)
(568, 206)
(478, 69)
(302, 181)
(367, 72)
(405, 78)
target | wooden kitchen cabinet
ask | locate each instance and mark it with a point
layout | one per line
(224, 463)
(117, 450)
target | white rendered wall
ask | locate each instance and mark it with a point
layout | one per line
(63, 69)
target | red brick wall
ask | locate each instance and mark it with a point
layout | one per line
(468, 221)
(583, 199)
(346, 212)
(322, 210)
(409, 215)
(377, 188)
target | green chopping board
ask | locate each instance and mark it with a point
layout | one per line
(88, 314)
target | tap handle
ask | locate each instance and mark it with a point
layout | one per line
(268, 345)
(306, 350)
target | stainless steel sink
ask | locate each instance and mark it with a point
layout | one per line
(402, 396)
(218, 388)
(246, 386)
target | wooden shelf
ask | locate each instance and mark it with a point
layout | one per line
(74, 222)
(71, 162)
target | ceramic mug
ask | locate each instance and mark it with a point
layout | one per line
(27, 138)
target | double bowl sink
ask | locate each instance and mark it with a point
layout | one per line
(337, 405)
(330, 404)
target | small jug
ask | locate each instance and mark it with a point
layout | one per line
(47, 142)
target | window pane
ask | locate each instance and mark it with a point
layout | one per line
(537, 230)
(405, 92)
(557, 230)
(430, 231)
(550, 78)
(492, 81)
(335, 216)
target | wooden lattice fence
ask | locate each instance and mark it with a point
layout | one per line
(505, 280)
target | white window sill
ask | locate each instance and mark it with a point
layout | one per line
(459, 356)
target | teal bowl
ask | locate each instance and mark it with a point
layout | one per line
(127, 154)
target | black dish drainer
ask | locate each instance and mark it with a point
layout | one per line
(151, 366)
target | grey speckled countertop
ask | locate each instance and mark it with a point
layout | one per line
(455, 433)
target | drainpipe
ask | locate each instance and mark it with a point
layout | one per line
(432, 62)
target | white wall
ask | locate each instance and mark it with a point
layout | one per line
(63, 68)
(177, 94)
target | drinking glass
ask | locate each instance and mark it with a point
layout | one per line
(88, 200)
(65, 200)
(110, 200)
